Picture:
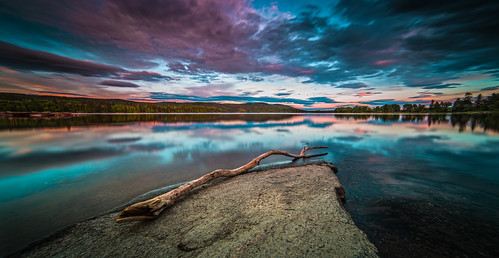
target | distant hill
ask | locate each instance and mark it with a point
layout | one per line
(35, 103)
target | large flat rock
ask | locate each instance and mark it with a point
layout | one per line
(284, 212)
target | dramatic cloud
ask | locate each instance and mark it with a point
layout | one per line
(434, 85)
(325, 50)
(209, 35)
(322, 100)
(144, 76)
(491, 88)
(366, 93)
(426, 94)
(353, 85)
(25, 59)
(61, 93)
(379, 102)
(306, 102)
(250, 78)
(119, 84)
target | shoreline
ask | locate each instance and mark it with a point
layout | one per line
(55, 115)
(162, 190)
(233, 196)
(37, 115)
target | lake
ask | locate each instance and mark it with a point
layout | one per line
(418, 185)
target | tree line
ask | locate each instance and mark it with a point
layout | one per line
(467, 104)
(34, 103)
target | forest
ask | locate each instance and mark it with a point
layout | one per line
(466, 104)
(14, 102)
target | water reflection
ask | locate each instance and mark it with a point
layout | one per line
(117, 119)
(483, 121)
(424, 172)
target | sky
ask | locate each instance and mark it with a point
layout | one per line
(307, 54)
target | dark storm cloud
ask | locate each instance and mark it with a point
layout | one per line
(119, 84)
(25, 59)
(306, 102)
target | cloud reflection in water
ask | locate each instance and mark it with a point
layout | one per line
(95, 167)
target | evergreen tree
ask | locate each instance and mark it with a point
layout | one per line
(432, 106)
(436, 107)
(446, 106)
(407, 108)
(468, 102)
(458, 105)
(479, 105)
(492, 102)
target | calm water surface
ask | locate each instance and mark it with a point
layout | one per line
(416, 184)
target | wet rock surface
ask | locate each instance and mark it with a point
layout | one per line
(295, 211)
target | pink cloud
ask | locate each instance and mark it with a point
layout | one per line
(274, 67)
(366, 93)
(7, 70)
(386, 51)
(306, 71)
(362, 131)
(385, 62)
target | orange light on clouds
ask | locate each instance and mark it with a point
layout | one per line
(385, 62)
(7, 70)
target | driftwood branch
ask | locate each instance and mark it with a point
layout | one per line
(151, 208)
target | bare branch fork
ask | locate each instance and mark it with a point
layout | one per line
(151, 208)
